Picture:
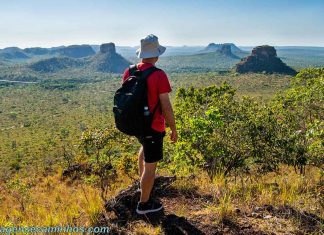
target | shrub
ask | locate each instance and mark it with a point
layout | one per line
(223, 135)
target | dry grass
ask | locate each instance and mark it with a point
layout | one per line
(303, 193)
(284, 188)
(142, 228)
(51, 201)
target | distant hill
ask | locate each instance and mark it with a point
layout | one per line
(130, 52)
(226, 50)
(212, 47)
(13, 53)
(211, 61)
(55, 64)
(107, 60)
(183, 50)
(75, 51)
(176, 58)
(36, 51)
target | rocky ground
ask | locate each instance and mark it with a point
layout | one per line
(187, 212)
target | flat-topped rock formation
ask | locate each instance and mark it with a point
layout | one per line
(76, 51)
(107, 60)
(263, 59)
(212, 47)
(108, 48)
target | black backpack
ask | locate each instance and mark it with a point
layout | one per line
(131, 112)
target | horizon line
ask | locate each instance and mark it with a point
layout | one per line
(90, 44)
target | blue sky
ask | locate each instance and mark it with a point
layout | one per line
(176, 22)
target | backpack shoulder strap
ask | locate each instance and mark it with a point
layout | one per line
(147, 72)
(132, 69)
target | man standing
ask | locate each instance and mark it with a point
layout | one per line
(151, 151)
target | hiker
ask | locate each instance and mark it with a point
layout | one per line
(159, 104)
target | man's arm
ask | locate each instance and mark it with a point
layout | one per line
(168, 114)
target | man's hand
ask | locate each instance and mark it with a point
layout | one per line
(168, 114)
(174, 136)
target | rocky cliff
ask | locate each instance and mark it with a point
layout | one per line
(108, 48)
(263, 59)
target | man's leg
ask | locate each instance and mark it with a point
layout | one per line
(147, 181)
(141, 161)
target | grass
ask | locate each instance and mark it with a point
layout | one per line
(141, 228)
(285, 188)
(52, 201)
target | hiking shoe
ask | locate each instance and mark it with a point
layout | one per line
(148, 207)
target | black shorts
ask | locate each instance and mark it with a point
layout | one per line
(152, 145)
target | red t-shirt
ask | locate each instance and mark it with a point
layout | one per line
(157, 83)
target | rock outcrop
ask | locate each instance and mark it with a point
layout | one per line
(107, 60)
(120, 212)
(124, 204)
(108, 48)
(263, 59)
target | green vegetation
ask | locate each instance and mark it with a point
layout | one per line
(33, 115)
(223, 135)
(265, 130)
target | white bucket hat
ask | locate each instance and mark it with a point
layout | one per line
(150, 47)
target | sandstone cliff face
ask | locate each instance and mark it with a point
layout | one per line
(263, 59)
(264, 51)
(108, 48)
